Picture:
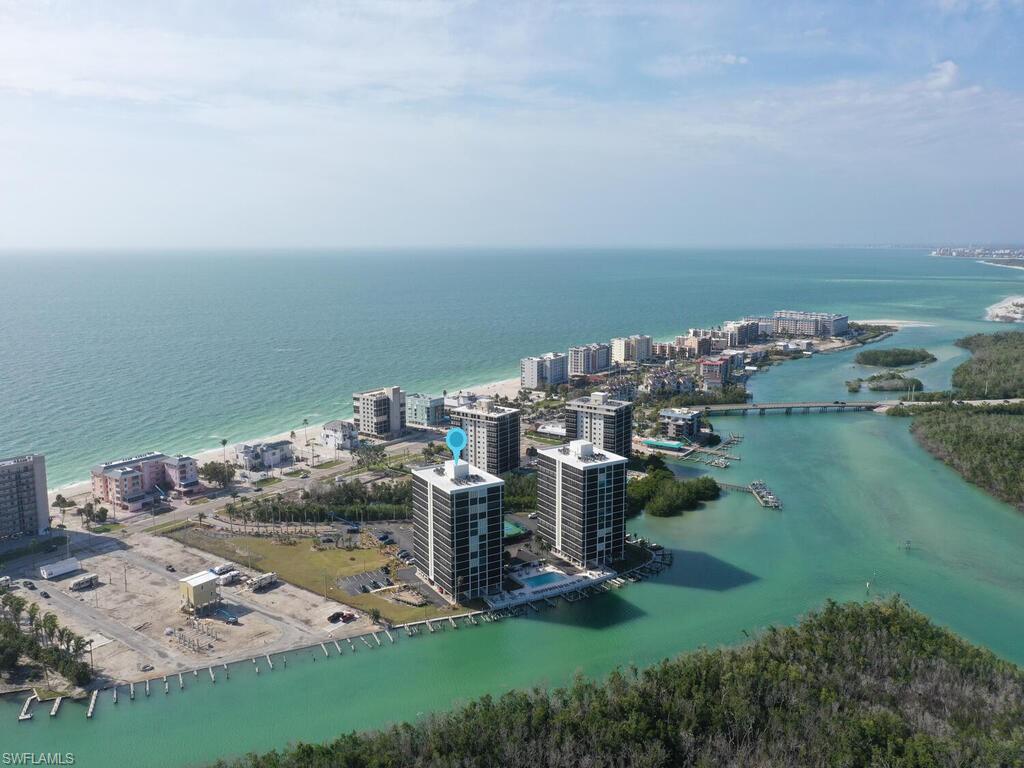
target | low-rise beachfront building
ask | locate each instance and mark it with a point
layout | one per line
(605, 422)
(581, 500)
(666, 381)
(379, 412)
(131, 483)
(787, 322)
(680, 423)
(589, 358)
(257, 456)
(493, 435)
(24, 508)
(424, 410)
(547, 370)
(340, 435)
(458, 529)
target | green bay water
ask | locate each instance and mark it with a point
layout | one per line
(855, 489)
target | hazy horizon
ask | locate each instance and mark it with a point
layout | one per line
(385, 124)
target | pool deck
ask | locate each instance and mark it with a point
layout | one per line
(568, 583)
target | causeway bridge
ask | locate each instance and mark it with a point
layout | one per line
(741, 409)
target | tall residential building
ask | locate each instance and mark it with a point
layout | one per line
(457, 529)
(493, 435)
(589, 358)
(694, 346)
(24, 508)
(742, 333)
(379, 412)
(715, 372)
(547, 370)
(130, 483)
(581, 498)
(424, 410)
(606, 423)
(791, 323)
(631, 349)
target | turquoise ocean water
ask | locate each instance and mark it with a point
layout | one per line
(855, 486)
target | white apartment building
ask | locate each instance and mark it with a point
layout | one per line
(265, 455)
(340, 435)
(788, 322)
(631, 349)
(589, 358)
(547, 370)
(379, 412)
(492, 433)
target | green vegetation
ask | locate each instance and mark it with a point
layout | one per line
(298, 562)
(293, 473)
(985, 444)
(865, 333)
(897, 357)
(169, 527)
(263, 482)
(995, 369)
(329, 501)
(730, 394)
(662, 495)
(890, 381)
(520, 492)
(327, 464)
(219, 472)
(858, 685)
(540, 437)
(44, 641)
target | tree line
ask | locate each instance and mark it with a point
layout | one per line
(859, 684)
(897, 357)
(350, 500)
(661, 494)
(43, 640)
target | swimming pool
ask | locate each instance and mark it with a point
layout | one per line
(542, 579)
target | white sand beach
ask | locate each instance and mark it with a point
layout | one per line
(1009, 310)
(80, 490)
(895, 323)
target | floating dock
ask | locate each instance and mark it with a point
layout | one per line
(92, 704)
(27, 715)
(56, 706)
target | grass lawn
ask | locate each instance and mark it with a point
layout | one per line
(106, 528)
(267, 481)
(300, 565)
(327, 464)
(40, 546)
(294, 473)
(168, 527)
(549, 439)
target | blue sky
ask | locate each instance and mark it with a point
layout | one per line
(615, 122)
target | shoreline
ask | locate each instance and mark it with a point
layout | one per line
(1009, 310)
(507, 387)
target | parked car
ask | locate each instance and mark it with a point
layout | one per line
(170, 568)
(335, 617)
(45, 594)
(363, 588)
(352, 529)
(28, 584)
(532, 516)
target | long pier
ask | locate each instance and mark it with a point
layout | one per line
(742, 409)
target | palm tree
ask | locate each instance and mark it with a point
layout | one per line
(305, 436)
(33, 619)
(78, 644)
(50, 627)
(224, 447)
(64, 638)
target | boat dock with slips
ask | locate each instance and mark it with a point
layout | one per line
(761, 492)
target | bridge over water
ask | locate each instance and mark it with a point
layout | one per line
(726, 409)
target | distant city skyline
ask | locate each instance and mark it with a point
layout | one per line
(523, 124)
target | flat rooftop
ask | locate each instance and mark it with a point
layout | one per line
(197, 579)
(450, 478)
(582, 455)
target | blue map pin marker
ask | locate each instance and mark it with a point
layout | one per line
(456, 440)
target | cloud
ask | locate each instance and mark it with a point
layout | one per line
(943, 76)
(672, 67)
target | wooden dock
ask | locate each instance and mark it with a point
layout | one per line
(92, 704)
(56, 706)
(27, 715)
